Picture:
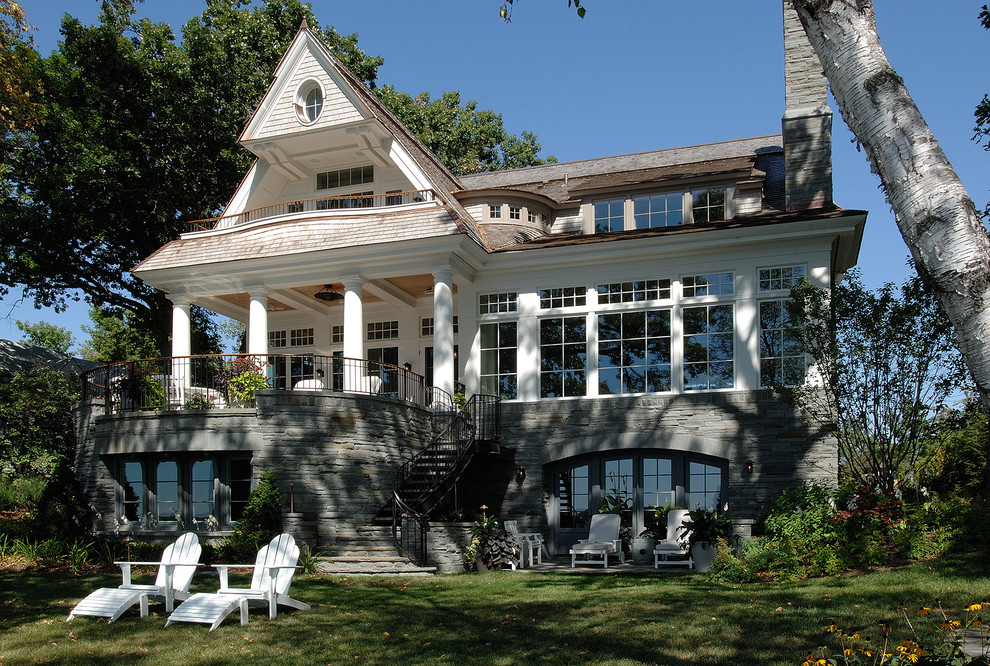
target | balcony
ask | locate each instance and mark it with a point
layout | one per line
(230, 381)
(319, 205)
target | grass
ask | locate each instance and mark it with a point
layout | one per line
(491, 618)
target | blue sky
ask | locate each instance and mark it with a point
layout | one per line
(633, 76)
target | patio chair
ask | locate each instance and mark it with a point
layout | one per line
(175, 572)
(603, 540)
(675, 545)
(270, 582)
(529, 542)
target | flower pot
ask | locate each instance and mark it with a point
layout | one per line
(703, 554)
(642, 549)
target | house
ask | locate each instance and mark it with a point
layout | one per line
(614, 324)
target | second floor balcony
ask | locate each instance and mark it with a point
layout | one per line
(318, 206)
(229, 381)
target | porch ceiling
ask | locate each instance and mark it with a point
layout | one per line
(415, 286)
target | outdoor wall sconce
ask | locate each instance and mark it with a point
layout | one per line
(520, 474)
(328, 294)
(292, 499)
(749, 466)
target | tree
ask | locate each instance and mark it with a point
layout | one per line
(466, 139)
(981, 132)
(19, 88)
(140, 137)
(36, 431)
(956, 461)
(884, 366)
(116, 336)
(47, 335)
(933, 211)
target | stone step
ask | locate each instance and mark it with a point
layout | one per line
(341, 567)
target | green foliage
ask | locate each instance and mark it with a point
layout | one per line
(49, 336)
(490, 545)
(260, 522)
(727, 568)
(244, 385)
(703, 526)
(20, 493)
(888, 364)
(198, 401)
(956, 460)
(36, 431)
(466, 139)
(117, 335)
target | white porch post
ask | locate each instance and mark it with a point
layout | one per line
(181, 348)
(257, 333)
(443, 330)
(353, 332)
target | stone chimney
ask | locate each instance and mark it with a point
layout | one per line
(807, 121)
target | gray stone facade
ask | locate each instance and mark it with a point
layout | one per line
(342, 451)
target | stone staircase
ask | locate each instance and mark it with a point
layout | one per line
(368, 551)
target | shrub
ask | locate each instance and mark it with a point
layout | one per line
(490, 544)
(20, 493)
(727, 568)
(260, 522)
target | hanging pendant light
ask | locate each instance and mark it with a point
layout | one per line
(328, 294)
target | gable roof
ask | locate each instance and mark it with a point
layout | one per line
(371, 107)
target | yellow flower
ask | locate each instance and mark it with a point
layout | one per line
(974, 607)
(923, 611)
(977, 621)
(847, 652)
(912, 657)
(951, 625)
(832, 628)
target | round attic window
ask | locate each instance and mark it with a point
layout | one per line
(309, 102)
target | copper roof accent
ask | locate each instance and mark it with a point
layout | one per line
(299, 236)
(738, 222)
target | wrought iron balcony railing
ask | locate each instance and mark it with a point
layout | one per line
(231, 380)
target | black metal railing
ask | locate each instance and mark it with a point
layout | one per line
(318, 205)
(425, 479)
(231, 380)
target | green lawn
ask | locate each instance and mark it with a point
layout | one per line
(492, 618)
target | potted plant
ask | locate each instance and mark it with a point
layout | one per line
(703, 529)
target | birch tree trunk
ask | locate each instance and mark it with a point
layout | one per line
(936, 217)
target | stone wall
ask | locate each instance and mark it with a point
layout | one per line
(736, 427)
(340, 451)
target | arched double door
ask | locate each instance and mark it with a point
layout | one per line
(631, 483)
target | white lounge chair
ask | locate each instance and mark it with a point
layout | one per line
(273, 571)
(675, 545)
(529, 542)
(603, 540)
(175, 572)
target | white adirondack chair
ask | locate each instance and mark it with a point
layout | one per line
(529, 542)
(674, 550)
(175, 572)
(270, 582)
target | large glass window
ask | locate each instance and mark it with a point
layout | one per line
(633, 484)
(708, 347)
(709, 284)
(498, 359)
(133, 489)
(609, 215)
(634, 352)
(496, 303)
(574, 497)
(383, 362)
(781, 277)
(782, 359)
(183, 492)
(167, 490)
(658, 210)
(634, 291)
(704, 486)
(563, 297)
(708, 205)
(328, 180)
(563, 356)
(202, 489)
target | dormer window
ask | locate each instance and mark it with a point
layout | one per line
(309, 101)
(708, 205)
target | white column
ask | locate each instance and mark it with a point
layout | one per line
(257, 333)
(443, 330)
(181, 348)
(353, 333)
